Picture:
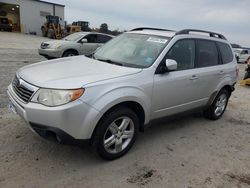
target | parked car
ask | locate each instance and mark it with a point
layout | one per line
(137, 77)
(242, 55)
(5, 24)
(80, 43)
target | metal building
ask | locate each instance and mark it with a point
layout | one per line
(27, 16)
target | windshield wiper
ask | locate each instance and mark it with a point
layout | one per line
(110, 61)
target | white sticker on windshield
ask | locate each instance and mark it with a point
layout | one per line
(158, 40)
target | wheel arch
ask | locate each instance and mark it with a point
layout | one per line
(227, 87)
(136, 107)
(70, 49)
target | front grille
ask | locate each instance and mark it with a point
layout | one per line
(21, 91)
(44, 45)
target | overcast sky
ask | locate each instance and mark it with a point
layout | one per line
(229, 17)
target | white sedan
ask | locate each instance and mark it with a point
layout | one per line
(81, 43)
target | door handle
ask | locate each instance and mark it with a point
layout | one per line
(194, 77)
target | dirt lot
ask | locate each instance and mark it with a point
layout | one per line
(188, 152)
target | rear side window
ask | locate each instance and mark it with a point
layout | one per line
(183, 52)
(226, 52)
(103, 38)
(207, 53)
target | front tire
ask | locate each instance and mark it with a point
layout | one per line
(218, 107)
(70, 53)
(116, 133)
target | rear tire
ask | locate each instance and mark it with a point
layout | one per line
(70, 53)
(116, 133)
(218, 107)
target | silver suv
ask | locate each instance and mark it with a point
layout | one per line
(139, 76)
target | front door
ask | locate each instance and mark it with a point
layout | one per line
(90, 46)
(177, 91)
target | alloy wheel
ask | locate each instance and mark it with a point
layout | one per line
(118, 135)
(220, 104)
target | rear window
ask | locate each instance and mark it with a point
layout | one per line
(226, 52)
(207, 53)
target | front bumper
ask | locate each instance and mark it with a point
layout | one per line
(50, 53)
(76, 119)
(55, 134)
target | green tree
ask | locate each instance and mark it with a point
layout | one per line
(104, 28)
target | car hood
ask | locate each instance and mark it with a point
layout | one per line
(72, 72)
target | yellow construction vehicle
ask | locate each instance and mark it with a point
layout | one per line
(246, 80)
(52, 28)
(84, 25)
(73, 29)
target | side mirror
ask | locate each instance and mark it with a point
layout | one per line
(84, 41)
(171, 65)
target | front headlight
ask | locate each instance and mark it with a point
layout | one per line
(55, 46)
(51, 97)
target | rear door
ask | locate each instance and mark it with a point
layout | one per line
(227, 59)
(208, 67)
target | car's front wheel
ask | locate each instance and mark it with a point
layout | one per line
(116, 133)
(70, 53)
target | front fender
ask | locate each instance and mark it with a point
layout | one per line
(108, 98)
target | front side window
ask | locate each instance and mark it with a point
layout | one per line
(183, 52)
(226, 52)
(133, 50)
(207, 54)
(92, 38)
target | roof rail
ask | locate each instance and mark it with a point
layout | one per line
(150, 28)
(211, 34)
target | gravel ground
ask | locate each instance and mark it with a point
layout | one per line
(186, 152)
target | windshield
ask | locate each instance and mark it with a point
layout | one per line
(73, 37)
(132, 50)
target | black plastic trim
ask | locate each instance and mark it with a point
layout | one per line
(65, 138)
